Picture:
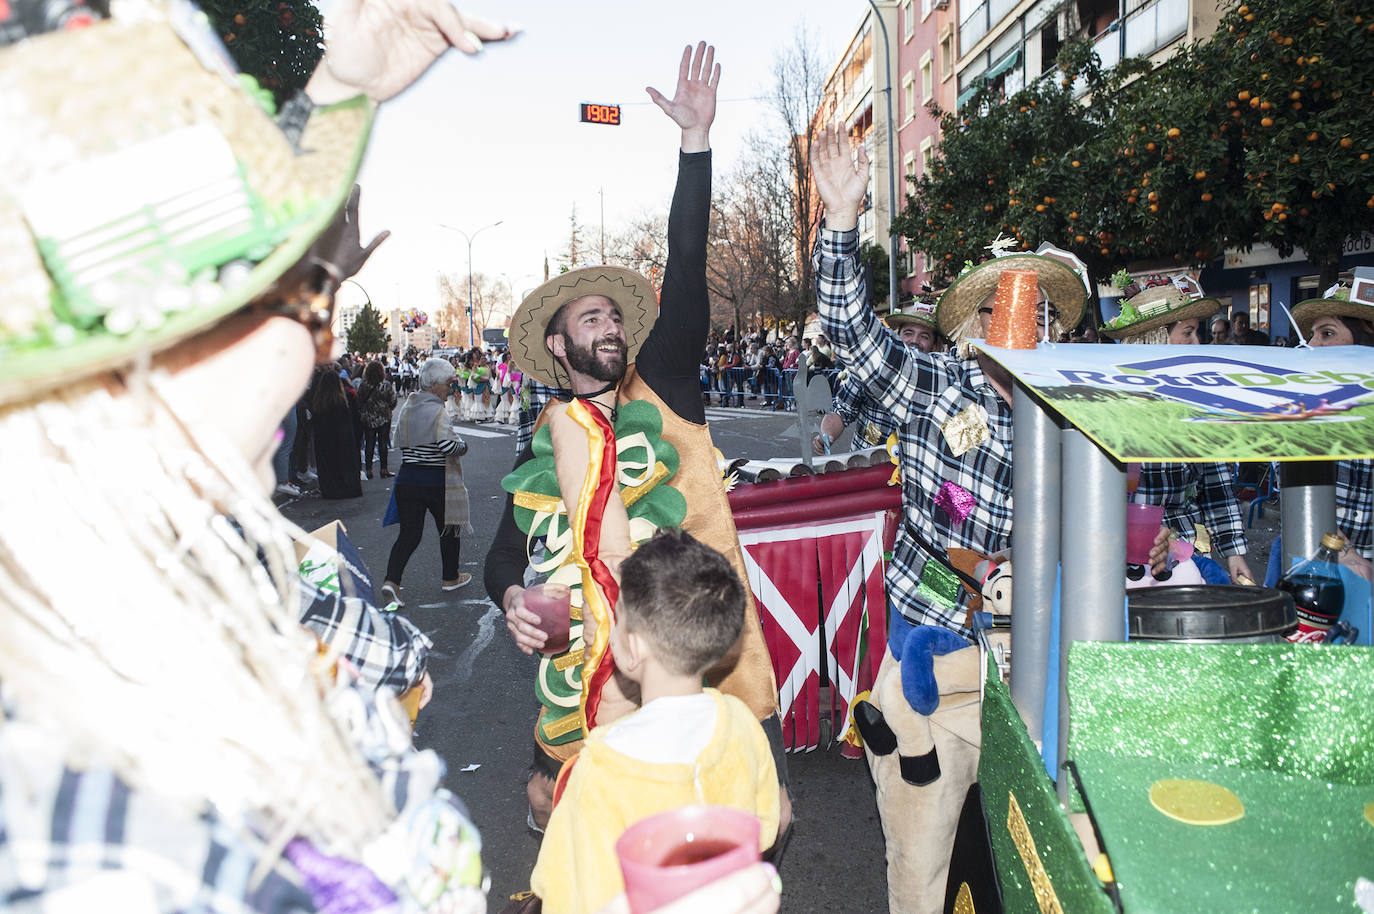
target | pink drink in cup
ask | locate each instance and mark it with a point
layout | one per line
(1142, 526)
(678, 851)
(552, 604)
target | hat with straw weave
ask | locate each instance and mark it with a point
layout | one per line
(145, 193)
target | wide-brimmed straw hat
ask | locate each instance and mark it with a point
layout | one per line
(915, 312)
(1065, 289)
(1158, 306)
(1336, 303)
(133, 169)
(628, 290)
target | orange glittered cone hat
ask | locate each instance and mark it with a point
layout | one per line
(1013, 310)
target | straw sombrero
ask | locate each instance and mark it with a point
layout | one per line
(1065, 289)
(916, 312)
(1159, 306)
(631, 293)
(1335, 304)
(133, 169)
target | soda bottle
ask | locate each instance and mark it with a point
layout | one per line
(1317, 591)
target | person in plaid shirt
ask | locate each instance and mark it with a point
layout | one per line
(914, 326)
(953, 410)
(1191, 493)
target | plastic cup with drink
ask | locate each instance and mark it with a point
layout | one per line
(672, 853)
(1142, 526)
(552, 603)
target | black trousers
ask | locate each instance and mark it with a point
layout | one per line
(378, 438)
(411, 504)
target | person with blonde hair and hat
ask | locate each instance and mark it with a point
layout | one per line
(1192, 494)
(173, 737)
(629, 414)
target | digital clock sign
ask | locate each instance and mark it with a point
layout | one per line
(600, 114)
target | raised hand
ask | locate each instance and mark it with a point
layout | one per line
(841, 175)
(379, 47)
(693, 105)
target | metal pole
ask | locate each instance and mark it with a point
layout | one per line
(1308, 508)
(1092, 549)
(1035, 492)
(891, 165)
(469, 292)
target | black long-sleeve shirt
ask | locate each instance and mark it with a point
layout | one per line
(668, 359)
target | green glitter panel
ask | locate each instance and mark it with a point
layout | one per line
(1299, 847)
(1288, 728)
(1298, 709)
(1010, 764)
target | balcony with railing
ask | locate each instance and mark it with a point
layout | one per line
(1140, 33)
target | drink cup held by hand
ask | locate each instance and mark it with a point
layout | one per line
(1142, 526)
(668, 855)
(552, 604)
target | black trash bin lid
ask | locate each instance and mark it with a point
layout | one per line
(1200, 612)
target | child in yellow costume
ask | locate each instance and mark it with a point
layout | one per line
(677, 616)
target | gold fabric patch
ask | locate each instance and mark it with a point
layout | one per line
(1196, 802)
(963, 902)
(632, 494)
(1025, 846)
(966, 430)
(543, 504)
(1203, 541)
(568, 661)
(563, 726)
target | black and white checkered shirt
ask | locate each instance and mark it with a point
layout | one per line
(1196, 493)
(853, 405)
(1355, 503)
(923, 392)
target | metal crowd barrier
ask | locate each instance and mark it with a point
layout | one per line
(767, 388)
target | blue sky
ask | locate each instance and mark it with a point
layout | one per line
(497, 137)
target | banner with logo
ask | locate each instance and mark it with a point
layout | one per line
(1207, 403)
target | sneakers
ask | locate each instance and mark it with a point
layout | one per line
(391, 593)
(462, 580)
(289, 490)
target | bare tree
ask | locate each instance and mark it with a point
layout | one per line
(491, 305)
(642, 246)
(577, 250)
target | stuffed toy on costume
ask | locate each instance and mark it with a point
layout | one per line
(921, 734)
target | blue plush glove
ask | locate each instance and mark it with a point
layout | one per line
(923, 644)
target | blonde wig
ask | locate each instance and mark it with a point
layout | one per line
(150, 614)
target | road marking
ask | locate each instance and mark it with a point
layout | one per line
(486, 630)
(716, 414)
(472, 432)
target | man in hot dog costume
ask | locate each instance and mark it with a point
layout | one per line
(634, 454)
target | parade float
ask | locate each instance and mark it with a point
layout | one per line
(1233, 773)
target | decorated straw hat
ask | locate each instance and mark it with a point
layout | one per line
(628, 290)
(1066, 289)
(145, 193)
(915, 312)
(1335, 302)
(1159, 306)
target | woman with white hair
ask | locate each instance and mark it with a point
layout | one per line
(430, 480)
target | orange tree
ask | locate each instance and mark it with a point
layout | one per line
(1254, 135)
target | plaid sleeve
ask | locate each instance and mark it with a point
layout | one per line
(848, 400)
(385, 648)
(902, 382)
(1355, 503)
(1216, 500)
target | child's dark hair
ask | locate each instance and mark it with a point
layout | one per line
(685, 598)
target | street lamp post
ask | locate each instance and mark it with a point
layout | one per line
(469, 239)
(367, 300)
(891, 164)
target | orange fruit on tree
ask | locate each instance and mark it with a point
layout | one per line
(1153, 197)
(1073, 215)
(1265, 106)
(238, 19)
(1254, 101)
(1346, 142)
(1080, 238)
(1154, 207)
(1277, 207)
(1282, 216)
(1297, 106)
(1039, 207)
(1266, 122)
(1295, 95)
(1173, 133)
(1206, 198)
(1149, 147)
(1312, 137)
(1243, 95)
(1200, 175)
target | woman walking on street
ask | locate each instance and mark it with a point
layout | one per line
(430, 480)
(377, 398)
(333, 420)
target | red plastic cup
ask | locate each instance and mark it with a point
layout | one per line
(1142, 526)
(678, 851)
(552, 604)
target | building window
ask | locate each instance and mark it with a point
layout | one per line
(909, 167)
(947, 54)
(926, 6)
(908, 24)
(908, 97)
(927, 153)
(927, 77)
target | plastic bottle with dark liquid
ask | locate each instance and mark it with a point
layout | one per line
(1317, 592)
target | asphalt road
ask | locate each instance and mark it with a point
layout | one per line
(482, 715)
